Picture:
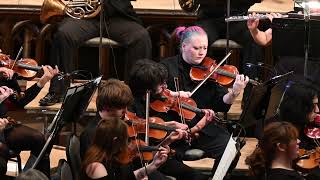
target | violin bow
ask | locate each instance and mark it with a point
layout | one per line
(182, 119)
(147, 117)
(18, 55)
(208, 76)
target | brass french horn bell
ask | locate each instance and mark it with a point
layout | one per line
(77, 9)
(51, 8)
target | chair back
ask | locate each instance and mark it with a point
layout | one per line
(73, 156)
(64, 170)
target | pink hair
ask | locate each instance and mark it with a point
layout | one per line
(183, 33)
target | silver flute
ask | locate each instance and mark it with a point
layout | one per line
(252, 17)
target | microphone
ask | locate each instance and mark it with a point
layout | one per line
(276, 79)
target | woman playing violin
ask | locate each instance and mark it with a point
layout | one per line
(193, 47)
(273, 157)
(102, 160)
(19, 137)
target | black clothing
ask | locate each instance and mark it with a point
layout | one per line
(283, 174)
(19, 137)
(121, 24)
(115, 173)
(87, 135)
(212, 138)
(86, 139)
(29, 95)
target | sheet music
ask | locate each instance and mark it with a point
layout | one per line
(225, 162)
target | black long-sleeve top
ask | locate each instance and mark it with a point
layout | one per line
(29, 95)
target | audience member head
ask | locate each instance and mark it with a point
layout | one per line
(114, 96)
(280, 140)
(110, 140)
(193, 43)
(299, 104)
(32, 174)
(147, 75)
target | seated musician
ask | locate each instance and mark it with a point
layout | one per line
(299, 106)
(18, 137)
(283, 64)
(273, 157)
(121, 24)
(193, 49)
(103, 159)
(114, 96)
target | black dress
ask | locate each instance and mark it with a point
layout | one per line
(115, 173)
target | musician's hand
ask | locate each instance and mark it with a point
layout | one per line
(161, 156)
(5, 92)
(206, 119)
(48, 74)
(239, 84)
(253, 23)
(273, 15)
(176, 125)
(6, 73)
(3, 122)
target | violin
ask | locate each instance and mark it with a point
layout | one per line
(313, 129)
(168, 102)
(308, 160)
(136, 149)
(25, 67)
(157, 130)
(224, 75)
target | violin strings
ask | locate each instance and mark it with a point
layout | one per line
(316, 141)
(176, 84)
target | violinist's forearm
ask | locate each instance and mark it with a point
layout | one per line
(142, 172)
(230, 97)
(262, 38)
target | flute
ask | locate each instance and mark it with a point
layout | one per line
(252, 17)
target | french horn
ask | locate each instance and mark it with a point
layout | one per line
(77, 9)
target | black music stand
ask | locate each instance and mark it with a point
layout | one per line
(297, 37)
(76, 101)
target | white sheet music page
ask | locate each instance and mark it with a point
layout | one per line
(227, 157)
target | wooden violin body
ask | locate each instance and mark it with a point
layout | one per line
(224, 75)
(169, 102)
(312, 160)
(137, 125)
(26, 67)
(136, 149)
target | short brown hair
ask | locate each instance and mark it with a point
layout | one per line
(113, 94)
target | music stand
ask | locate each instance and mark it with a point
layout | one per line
(296, 37)
(76, 101)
